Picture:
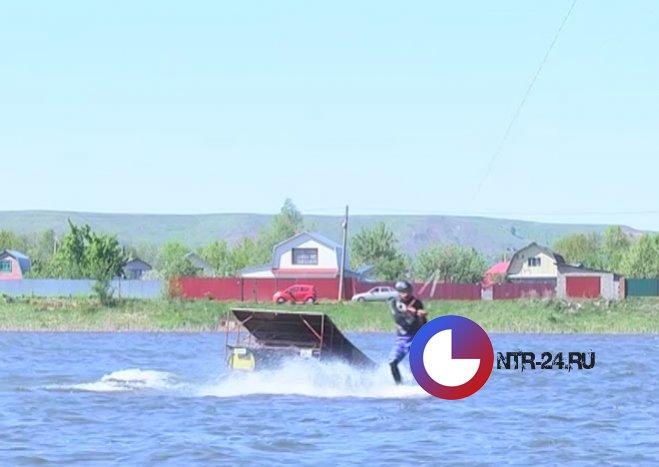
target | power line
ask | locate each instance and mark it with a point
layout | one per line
(522, 102)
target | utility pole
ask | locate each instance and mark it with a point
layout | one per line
(343, 254)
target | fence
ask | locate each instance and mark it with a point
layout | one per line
(262, 290)
(80, 287)
(641, 287)
(207, 287)
(258, 290)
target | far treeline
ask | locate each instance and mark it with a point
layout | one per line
(82, 253)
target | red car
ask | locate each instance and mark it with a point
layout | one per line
(298, 293)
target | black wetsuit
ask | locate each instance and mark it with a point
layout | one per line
(407, 325)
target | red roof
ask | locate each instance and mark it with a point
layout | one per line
(499, 268)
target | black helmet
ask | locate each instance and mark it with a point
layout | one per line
(403, 286)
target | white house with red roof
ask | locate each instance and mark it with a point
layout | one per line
(305, 255)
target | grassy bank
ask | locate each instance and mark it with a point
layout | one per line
(522, 316)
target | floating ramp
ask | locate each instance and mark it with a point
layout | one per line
(275, 336)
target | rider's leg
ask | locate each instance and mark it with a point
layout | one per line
(398, 353)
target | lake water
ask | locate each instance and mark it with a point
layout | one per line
(167, 399)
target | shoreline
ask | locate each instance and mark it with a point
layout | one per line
(347, 333)
(638, 316)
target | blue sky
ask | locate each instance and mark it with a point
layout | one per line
(390, 107)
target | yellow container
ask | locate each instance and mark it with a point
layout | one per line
(241, 359)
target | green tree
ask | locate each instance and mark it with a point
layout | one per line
(172, 261)
(105, 260)
(12, 241)
(245, 254)
(581, 248)
(85, 254)
(41, 250)
(104, 256)
(147, 252)
(642, 258)
(218, 254)
(615, 247)
(378, 246)
(287, 223)
(258, 250)
(450, 263)
(70, 260)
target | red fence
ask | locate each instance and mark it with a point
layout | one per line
(217, 288)
(262, 290)
(259, 290)
(428, 292)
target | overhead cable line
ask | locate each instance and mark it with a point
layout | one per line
(522, 102)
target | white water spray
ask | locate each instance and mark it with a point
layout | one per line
(311, 378)
(304, 378)
(131, 379)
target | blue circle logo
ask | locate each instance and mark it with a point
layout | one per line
(451, 357)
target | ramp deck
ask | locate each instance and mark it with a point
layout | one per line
(312, 332)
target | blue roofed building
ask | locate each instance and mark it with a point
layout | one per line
(135, 268)
(14, 265)
(305, 255)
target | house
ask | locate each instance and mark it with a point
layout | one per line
(538, 264)
(135, 268)
(202, 267)
(13, 265)
(496, 274)
(534, 264)
(305, 255)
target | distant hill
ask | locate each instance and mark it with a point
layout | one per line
(488, 235)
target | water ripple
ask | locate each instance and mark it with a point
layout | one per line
(138, 399)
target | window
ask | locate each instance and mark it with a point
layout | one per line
(534, 262)
(305, 255)
(5, 265)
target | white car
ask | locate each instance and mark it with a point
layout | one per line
(376, 294)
